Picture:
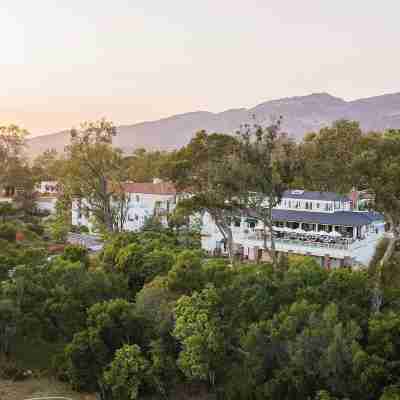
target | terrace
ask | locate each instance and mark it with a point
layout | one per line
(310, 235)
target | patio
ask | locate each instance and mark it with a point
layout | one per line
(284, 234)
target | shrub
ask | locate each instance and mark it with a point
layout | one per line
(8, 232)
(76, 253)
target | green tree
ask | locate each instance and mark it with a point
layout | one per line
(8, 232)
(7, 210)
(264, 164)
(141, 265)
(48, 165)
(110, 325)
(186, 275)
(76, 253)
(12, 143)
(391, 393)
(325, 160)
(125, 373)
(379, 162)
(384, 336)
(145, 165)
(199, 328)
(206, 169)
(8, 325)
(323, 354)
(95, 172)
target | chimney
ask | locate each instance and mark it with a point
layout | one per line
(354, 195)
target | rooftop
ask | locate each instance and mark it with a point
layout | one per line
(308, 195)
(344, 218)
(161, 188)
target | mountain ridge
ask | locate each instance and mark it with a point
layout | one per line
(301, 114)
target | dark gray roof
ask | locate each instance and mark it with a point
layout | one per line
(346, 218)
(306, 195)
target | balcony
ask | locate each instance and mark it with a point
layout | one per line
(304, 241)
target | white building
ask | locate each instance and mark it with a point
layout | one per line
(318, 224)
(145, 200)
(47, 193)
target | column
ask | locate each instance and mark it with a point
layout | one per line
(327, 261)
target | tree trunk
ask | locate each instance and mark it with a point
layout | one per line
(229, 238)
(377, 295)
(389, 250)
(270, 225)
(226, 232)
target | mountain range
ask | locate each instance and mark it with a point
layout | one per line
(300, 115)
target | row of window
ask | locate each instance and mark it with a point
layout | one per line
(308, 205)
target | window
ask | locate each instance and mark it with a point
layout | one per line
(79, 209)
(137, 198)
(237, 222)
(317, 205)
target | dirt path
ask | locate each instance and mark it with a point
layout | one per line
(37, 387)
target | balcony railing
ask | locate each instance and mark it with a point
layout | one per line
(310, 243)
(339, 244)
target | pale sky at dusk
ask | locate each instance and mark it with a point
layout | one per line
(62, 62)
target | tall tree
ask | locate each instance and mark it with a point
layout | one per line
(325, 159)
(14, 169)
(207, 170)
(47, 166)
(94, 172)
(125, 373)
(199, 327)
(265, 165)
(144, 165)
(379, 164)
(12, 142)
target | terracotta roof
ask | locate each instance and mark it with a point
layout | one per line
(150, 188)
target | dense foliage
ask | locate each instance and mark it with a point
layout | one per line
(152, 316)
(149, 317)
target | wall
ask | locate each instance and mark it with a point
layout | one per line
(361, 251)
(137, 213)
(46, 204)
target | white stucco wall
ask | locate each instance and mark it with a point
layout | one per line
(360, 251)
(47, 203)
(140, 207)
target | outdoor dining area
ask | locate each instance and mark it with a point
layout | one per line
(307, 234)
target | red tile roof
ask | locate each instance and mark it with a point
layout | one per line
(150, 188)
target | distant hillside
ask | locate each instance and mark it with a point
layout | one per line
(300, 115)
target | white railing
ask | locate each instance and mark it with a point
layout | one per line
(297, 242)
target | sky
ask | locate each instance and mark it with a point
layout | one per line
(67, 61)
